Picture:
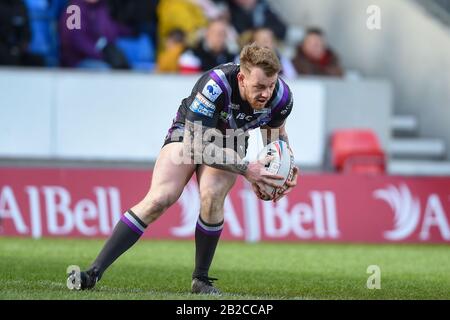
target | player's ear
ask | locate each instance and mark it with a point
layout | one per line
(240, 76)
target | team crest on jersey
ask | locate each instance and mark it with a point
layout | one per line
(212, 90)
(201, 105)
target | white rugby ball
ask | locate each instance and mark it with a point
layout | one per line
(282, 164)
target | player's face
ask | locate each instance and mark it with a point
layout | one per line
(256, 87)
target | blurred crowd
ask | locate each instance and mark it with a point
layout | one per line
(164, 36)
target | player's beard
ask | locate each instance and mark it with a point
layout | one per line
(252, 100)
(255, 102)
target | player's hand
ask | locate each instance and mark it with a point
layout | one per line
(258, 175)
(289, 185)
(261, 194)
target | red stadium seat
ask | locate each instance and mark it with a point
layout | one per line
(357, 151)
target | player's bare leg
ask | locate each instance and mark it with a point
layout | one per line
(214, 185)
(168, 181)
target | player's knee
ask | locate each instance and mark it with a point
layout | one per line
(156, 205)
(212, 199)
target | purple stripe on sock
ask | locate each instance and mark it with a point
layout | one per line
(131, 225)
(209, 233)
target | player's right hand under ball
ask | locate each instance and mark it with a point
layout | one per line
(289, 185)
(257, 174)
(260, 193)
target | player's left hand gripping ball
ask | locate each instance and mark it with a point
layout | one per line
(289, 185)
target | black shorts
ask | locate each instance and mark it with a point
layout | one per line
(176, 132)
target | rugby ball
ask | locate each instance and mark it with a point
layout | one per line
(282, 164)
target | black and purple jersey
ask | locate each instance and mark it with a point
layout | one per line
(216, 102)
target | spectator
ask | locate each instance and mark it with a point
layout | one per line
(174, 47)
(139, 15)
(266, 38)
(185, 15)
(313, 57)
(93, 46)
(210, 52)
(252, 14)
(15, 35)
(214, 10)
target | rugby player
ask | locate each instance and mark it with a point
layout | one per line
(224, 104)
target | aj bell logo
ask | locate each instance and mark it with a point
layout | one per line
(407, 213)
(305, 220)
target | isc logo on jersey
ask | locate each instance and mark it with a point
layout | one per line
(201, 105)
(211, 90)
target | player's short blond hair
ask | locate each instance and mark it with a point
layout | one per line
(253, 55)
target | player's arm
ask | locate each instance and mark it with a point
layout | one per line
(196, 139)
(276, 130)
(270, 134)
(205, 105)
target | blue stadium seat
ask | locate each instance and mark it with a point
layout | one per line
(57, 7)
(139, 51)
(37, 8)
(43, 24)
(38, 14)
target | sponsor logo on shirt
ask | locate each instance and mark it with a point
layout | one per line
(211, 90)
(265, 110)
(225, 116)
(243, 116)
(202, 106)
(205, 101)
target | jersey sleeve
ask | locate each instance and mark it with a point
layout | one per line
(282, 112)
(206, 102)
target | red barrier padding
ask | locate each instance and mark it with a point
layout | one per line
(331, 208)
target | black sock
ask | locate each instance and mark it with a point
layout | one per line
(206, 238)
(126, 232)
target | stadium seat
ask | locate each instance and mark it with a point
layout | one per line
(57, 7)
(139, 51)
(43, 28)
(38, 14)
(357, 151)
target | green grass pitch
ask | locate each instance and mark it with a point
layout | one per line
(35, 269)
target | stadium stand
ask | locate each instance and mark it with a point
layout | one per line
(418, 142)
(251, 14)
(438, 8)
(139, 51)
(411, 153)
